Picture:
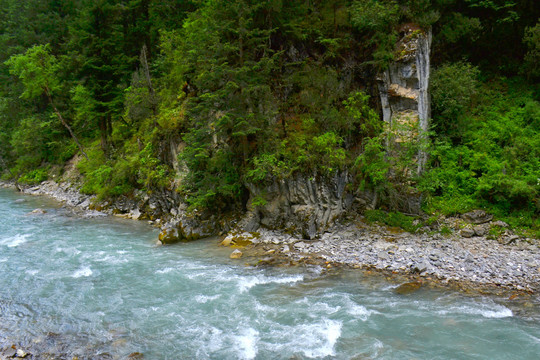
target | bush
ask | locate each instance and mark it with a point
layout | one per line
(496, 166)
(395, 219)
(34, 177)
(453, 89)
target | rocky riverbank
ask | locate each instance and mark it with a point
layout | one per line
(453, 259)
(477, 252)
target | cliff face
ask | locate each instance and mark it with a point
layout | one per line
(403, 88)
(309, 204)
(303, 204)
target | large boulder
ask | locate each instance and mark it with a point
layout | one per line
(477, 217)
(169, 235)
(188, 228)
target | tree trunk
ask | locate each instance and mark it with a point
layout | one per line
(148, 80)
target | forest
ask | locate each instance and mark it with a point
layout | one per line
(248, 90)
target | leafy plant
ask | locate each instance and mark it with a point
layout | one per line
(395, 219)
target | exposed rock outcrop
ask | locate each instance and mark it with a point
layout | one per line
(403, 87)
(302, 204)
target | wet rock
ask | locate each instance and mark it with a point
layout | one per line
(136, 356)
(408, 288)
(227, 241)
(21, 353)
(9, 352)
(169, 235)
(236, 254)
(467, 233)
(477, 217)
(135, 214)
(38, 212)
(239, 239)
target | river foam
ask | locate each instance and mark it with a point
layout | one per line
(247, 343)
(247, 282)
(320, 339)
(14, 241)
(85, 271)
(492, 311)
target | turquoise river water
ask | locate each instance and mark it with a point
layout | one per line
(102, 288)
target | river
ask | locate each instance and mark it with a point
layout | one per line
(101, 288)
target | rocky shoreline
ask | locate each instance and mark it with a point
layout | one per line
(476, 263)
(469, 257)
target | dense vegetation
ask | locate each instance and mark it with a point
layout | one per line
(247, 90)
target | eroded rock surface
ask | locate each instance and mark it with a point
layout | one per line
(403, 87)
(305, 205)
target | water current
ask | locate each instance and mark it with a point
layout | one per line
(101, 288)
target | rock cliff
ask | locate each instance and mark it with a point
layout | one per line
(302, 204)
(403, 87)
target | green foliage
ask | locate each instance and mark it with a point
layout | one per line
(496, 165)
(372, 165)
(362, 117)
(459, 27)
(453, 89)
(395, 219)
(34, 177)
(260, 89)
(374, 15)
(37, 70)
(259, 201)
(377, 21)
(531, 65)
(301, 152)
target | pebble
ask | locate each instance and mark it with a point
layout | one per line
(21, 353)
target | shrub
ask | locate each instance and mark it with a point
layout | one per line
(395, 219)
(34, 176)
(453, 88)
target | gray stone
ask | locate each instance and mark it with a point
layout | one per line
(9, 352)
(467, 233)
(421, 267)
(499, 223)
(404, 92)
(477, 217)
(38, 212)
(480, 230)
(512, 239)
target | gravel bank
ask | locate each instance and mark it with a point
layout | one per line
(473, 262)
